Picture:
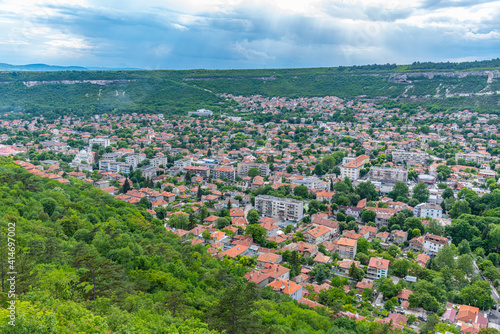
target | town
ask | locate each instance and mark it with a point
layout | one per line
(370, 211)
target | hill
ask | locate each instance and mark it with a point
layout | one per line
(87, 262)
(470, 85)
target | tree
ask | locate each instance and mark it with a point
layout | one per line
(234, 312)
(356, 273)
(318, 169)
(477, 294)
(428, 327)
(198, 193)
(206, 235)
(301, 191)
(444, 258)
(126, 186)
(443, 172)
(257, 232)
(434, 227)
(460, 207)
(49, 205)
(253, 172)
(464, 247)
(221, 222)
(387, 287)
(400, 190)
(447, 193)
(145, 203)
(394, 251)
(465, 263)
(368, 216)
(421, 192)
(253, 216)
(367, 190)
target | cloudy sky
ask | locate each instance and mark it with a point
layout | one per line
(184, 34)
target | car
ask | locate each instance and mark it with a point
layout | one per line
(400, 312)
(494, 307)
(422, 318)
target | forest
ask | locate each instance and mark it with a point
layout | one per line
(177, 92)
(88, 263)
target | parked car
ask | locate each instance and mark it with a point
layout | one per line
(422, 318)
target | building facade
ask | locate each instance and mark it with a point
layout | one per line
(287, 209)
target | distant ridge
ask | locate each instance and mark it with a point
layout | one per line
(48, 68)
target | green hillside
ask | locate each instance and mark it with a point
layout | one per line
(450, 85)
(88, 263)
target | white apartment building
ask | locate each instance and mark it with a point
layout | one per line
(352, 168)
(135, 159)
(389, 175)
(279, 208)
(402, 155)
(243, 168)
(100, 141)
(433, 243)
(431, 210)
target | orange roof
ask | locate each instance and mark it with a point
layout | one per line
(346, 242)
(286, 286)
(378, 263)
(235, 251)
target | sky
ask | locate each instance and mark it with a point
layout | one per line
(233, 34)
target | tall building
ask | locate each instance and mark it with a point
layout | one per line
(279, 208)
(377, 268)
(352, 168)
(389, 175)
(243, 168)
(402, 155)
(222, 172)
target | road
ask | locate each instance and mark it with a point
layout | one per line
(494, 293)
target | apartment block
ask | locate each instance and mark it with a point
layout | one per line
(202, 171)
(346, 248)
(135, 159)
(352, 168)
(279, 208)
(243, 168)
(318, 235)
(377, 268)
(433, 243)
(389, 175)
(478, 157)
(222, 172)
(113, 166)
(431, 210)
(100, 141)
(402, 155)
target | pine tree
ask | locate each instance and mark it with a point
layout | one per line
(198, 193)
(126, 186)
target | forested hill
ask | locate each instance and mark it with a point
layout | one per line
(88, 263)
(472, 85)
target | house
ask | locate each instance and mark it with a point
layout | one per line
(422, 259)
(321, 258)
(433, 243)
(377, 268)
(431, 210)
(325, 196)
(272, 230)
(368, 232)
(417, 243)
(399, 236)
(236, 251)
(287, 287)
(318, 235)
(403, 295)
(470, 315)
(258, 278)
(345, 265)
(346, 248)
(262, 259)
(276, 271)
(365, 284)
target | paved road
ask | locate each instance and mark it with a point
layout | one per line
(494, 293)
(494, 316)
